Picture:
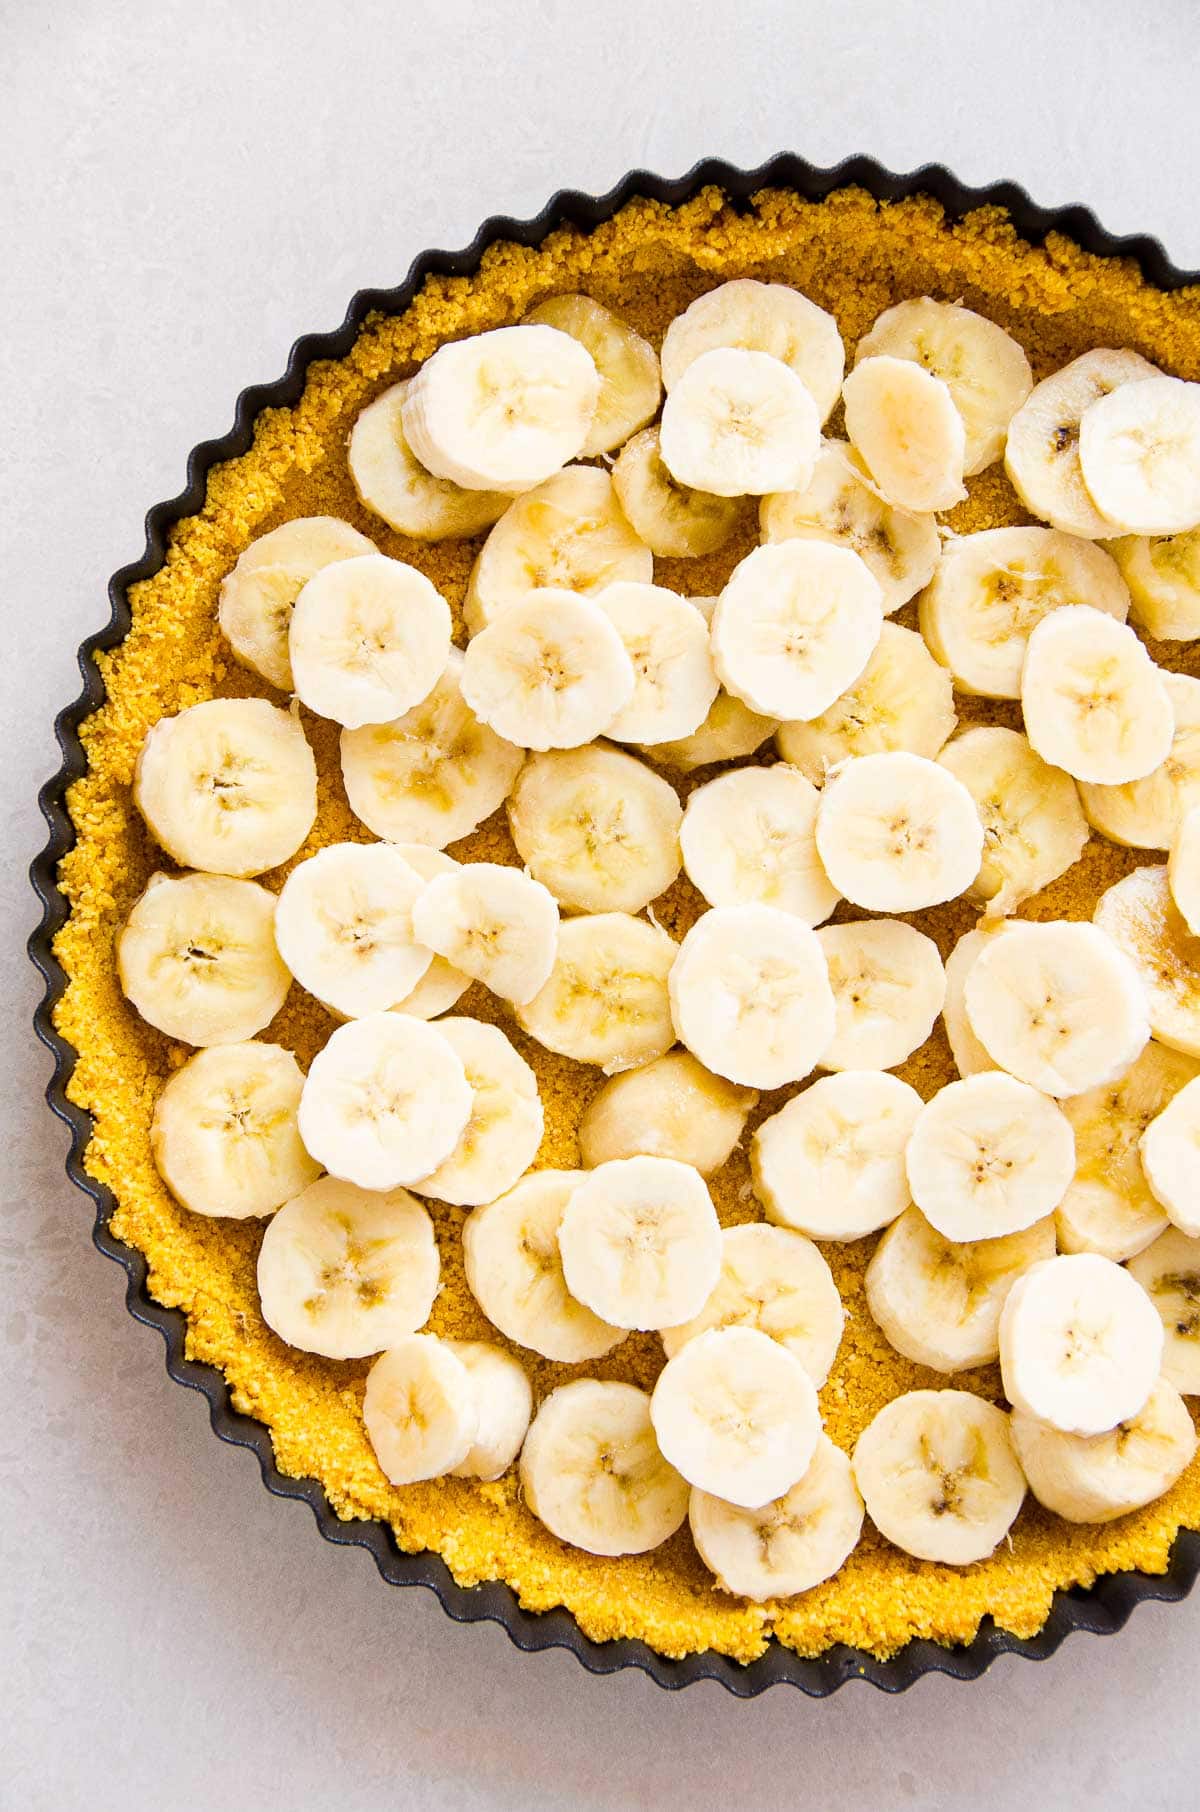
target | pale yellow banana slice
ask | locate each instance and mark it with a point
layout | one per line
(888, 987)
(346, 1272)
(831, 1162)
(306, 541)
(1033, 825)
(1163, 576)
(989, 1156)
(393, 483)
(494, 923)
(761, 317)
(1139, 451)
(675, 682)
(369, 639)
(1042, 450)
(748, 837)
(343, 925)
(228, 786)
(606, 1001)
(789, 1545)
(505, 1400)
(421, 1409)
(903, 422)
(968, 1053)
(670, 1108)
(1096, 1478)
(550, 672)
(1183, 869)
(592, 1472)
(254, 604)
(1169, 1272)
(674, 521)
(739, 424)
(630, 385)
(902, 699)
(1146, 814)
(1170, 1154)
(777, 1281)
(1080, 1344)
(501, 1139)
(896, 832)
(442, 986)
(197, 957)
(1141, 918)
(730, 731)
(224, 1133)
(640, 1242)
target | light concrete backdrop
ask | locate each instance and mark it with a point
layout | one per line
(185, 187)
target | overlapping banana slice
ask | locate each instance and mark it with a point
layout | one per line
(675, 683)
(1095, 1478)
(442, 986)
(592, 1471)
(671, 1107)
(904, 423)
(1169, 1272)
(673, 520)
(789, 1545)
(1041, 454)
(368, 639)
(989, 1156)
(343, 924)
(630, 384)
(1139, 451)
(494, 924)
(730, 731)
(420, 1409)
(1034, 828)
(393, 483)
(1163, 576)
(1093, 701)
(739, 424)
(831, 1162)
(761, 317)
(1170, 1152)
(902, 699)
(888, 987)
(224, 1133)
(640, 1242)
(968, 1053)
(748, 837)
(550, 672)
(1147, 813)
(1080, 1344)
(254, 604)
(606, 1001)
(896, 832)
(504, 1398)
(501, 1138)
(1140, 917)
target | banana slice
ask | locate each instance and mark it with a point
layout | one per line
(761, 317)
(1146, 814)
(1163, 576)
(254, 604)
(1042, 451)
(392, 482)
(1141, 918)
(197, 958)
(343, 924)
(570, 534)
(550, 672)
(442, 986)
(1033, 825)
(750, 995)
(1139, 451)
(787, 1546)
(736, 1413)
(983, 367)
(777, 1281)
(989, 1156)
(939, 1475)
(606, 1001)
(739, 424)
(666, 638)
(1170, 1155)
(938, 1300)
(514, 1271)
(501, 1139)
(748, 836)
(369, 639)
(730, 731)
(630, 386)
(505, 1401)
(968, 1053)
(888, 987)
(670, 1108)
(1183, 869)
(345, 1272)
(421, 1409)
(591, 1470)
(896, 832)
(1057, 1005)
(385, 1102)
(640, 1242)
(1096, 1478)
(501, 411)
(431, 776)
(903, 423)
(1169, 1272)
(493, 923)
(831, 1162)
(1080, 1344)
(224, 1133)
(228, 786)
(795, 626)
(842, 504)
(673, 521)
(902, 699)
(306, 541)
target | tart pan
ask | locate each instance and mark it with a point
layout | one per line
(1102, 1608)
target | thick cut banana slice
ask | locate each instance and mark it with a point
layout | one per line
(968, 1053)
(514, 1271)
(606, 1001)
(307, 541)
(197, 958)
(501, 411)
(1146, 814)
(494, 924)
(670, 1108)
(902, 699)
(550, 672)
(761, 317)
(385, 1102)
(939, 1475)
(1042, 451)
(939, 1300)
(1183, 870)
(1033, 825)
(393, 483)
(748, 836)
(630, 386)
(739, 424)
(730, 731)
(421, 1409)
(888, 987)
(431, 776)
(736, 1413)
(1169, 1272)
(442, 986)
(1139, 451)
(640, 1242)
(1080, 1344)
(1096, 1478)
(896, 832)
(592, 1472)
(787, 1546)
(1141, 918)
(228, 786)
(369, 639)
(224, 1133)
(505, 1400)
(674, 521)
(989, 1156)
(750, 995)
(570, 534)
(903, 422)
(986, 371)
(343, 925)
(1163, 576)
(831, 1162)
(345, 1272)
(254, 604)
(675, 682)
(777, 1281)
(1170, 1155)
(501, 1139)
(1057, 1006)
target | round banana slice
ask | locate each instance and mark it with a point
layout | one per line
(343, 924)
(421, 1409)
(902, 699)
(988, 1156)
(442, 986)
(1033, 825)
(630, 386)
(505, 1400)
(592, 1472)
(795, 626)
(1080, 1344)
(1095, 1478)
(1139, 451)
(393, 483)
(730, 731)
(736, 1413)
(228, 786)
(903, 422)
(494, 924)
(501, 1139)
(739, 424)
(968, 1053)
(1146, 814)
(501, 411)
(1042, 450)
(750, 995)
(606, 1001)
(748, 837)
(254, 604)
(896, 832)
(514, 1271)
(888, 987)
(670, 1108)
(1170, 1155)
(431, 776)
(939, 1475)
(569, 533)
(761, 317)
(675, 683)
(672, 520)
(831, 1162)
(369, 639)
(787, 1546)
(197, 957)
(550, 672)
(224, 1133)
(1169, 1272)
(1163, 576)
(1141, 918)
(1183, 869)
(983, 367)
(842, 504)
(640, 1242)
(777, 1281)
(306, 541)
(938, 1300)
(385, 1102)
(345, 1272)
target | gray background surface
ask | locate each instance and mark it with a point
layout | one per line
(185, 188)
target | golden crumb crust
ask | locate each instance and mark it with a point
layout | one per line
(855, 257)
